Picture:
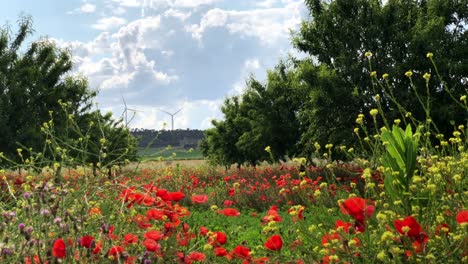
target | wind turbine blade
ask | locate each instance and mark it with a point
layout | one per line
(177, 111)
(135, 110)
(165, 112)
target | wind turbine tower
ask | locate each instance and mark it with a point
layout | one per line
(172, 117)
(125, 113)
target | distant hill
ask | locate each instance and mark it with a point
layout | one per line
(189, 138)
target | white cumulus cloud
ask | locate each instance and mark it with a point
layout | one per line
(269, 25)
(108, 23)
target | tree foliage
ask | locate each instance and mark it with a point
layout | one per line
(264, 115)
(43, 108)
(317, 99)
(399, 34)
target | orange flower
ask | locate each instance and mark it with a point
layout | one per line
(95, 211)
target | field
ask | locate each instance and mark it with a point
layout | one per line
(173, 213)
(169, 154)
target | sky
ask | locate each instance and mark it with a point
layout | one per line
(165, 55)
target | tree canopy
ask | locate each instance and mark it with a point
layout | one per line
(317, 99)
(43, 106)
(399, 34)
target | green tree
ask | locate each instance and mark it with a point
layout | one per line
(264, 115)
(272, 110)
(46, 111)
(219, 144)
(399, 34)
(32, 84)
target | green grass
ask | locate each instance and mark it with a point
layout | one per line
(170, 154)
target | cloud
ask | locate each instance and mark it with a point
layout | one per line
(177, 14)
(268, 25)
(88, 8)
(156, 60)
(213, 18)
(85, 8)
(108, 23)
(266, 3)
(164, 4)
(121, 61)
(129, 3)
(251, 66)
(193, 3)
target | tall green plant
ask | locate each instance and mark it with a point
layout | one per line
(399, 161)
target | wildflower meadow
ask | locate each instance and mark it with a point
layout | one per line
(355, 153)
(402, 201)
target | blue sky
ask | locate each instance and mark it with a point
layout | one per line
(165, 54)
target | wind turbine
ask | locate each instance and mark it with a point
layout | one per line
(172, 117)
(125, 112)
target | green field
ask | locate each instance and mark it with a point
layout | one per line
(169, 154)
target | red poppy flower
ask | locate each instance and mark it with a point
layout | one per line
(342, 224)
(327, 238)
(414, 229)
(229, 212)
(154, 234)
(146, 200)
(443, 228)
(414, 232)
(242, 252)
(220, 252)
(163, 194)
(359, 209)
(262, 260)
(228, 203)
(130, 239)
(58, 249)
(462, 217)
(142, 221)
(156, 214)
(272, 215)
(86, 241)
(218, 239)
(176, 196)
(151, 245)
(97, 248)
(115, 251)
(200, 199)
(274, 243)
(197, 256)
(203, 230)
